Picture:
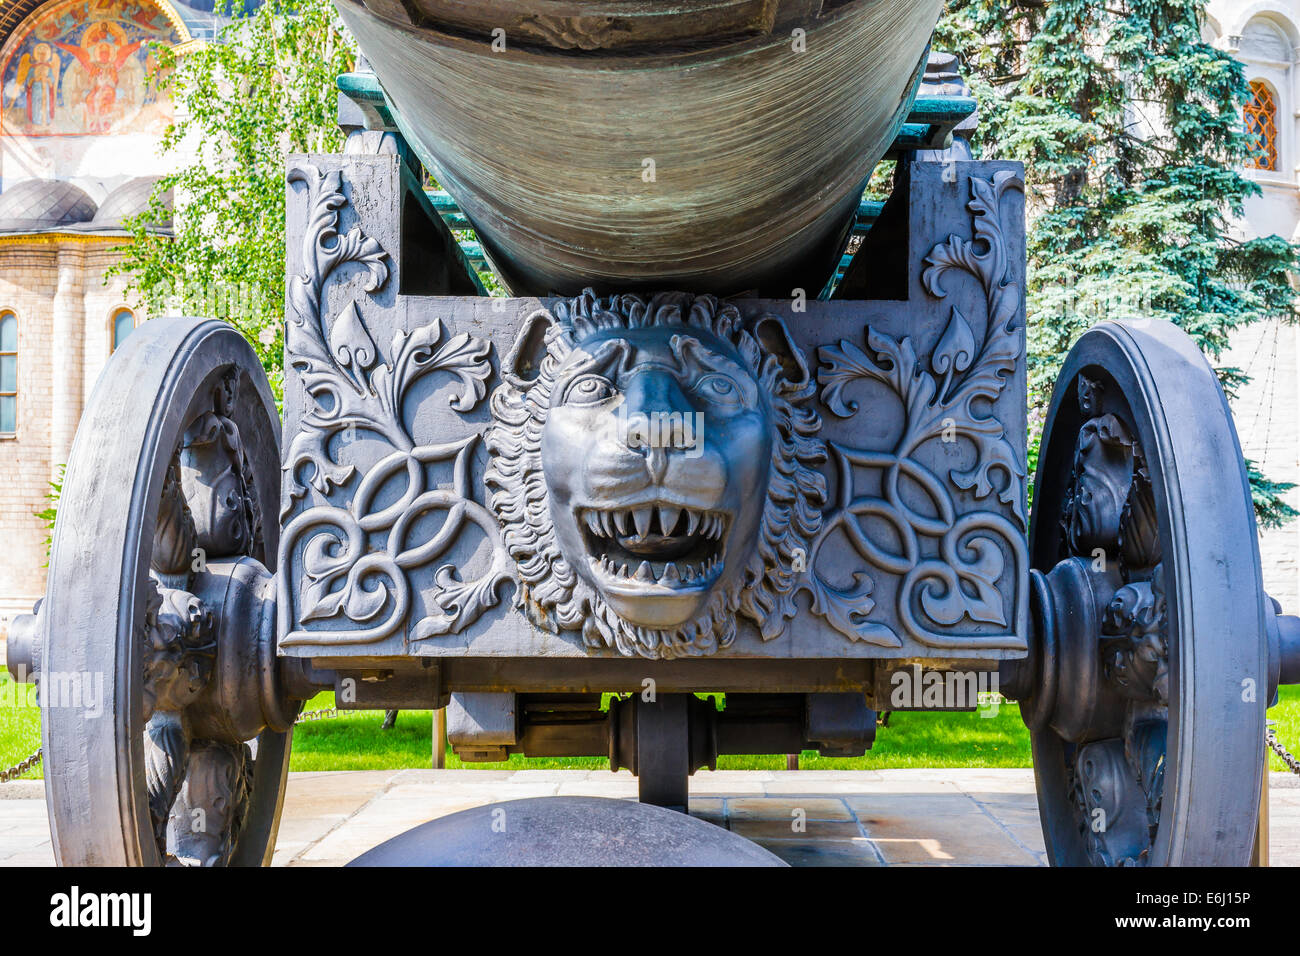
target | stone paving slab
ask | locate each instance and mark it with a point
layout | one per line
(808, 818)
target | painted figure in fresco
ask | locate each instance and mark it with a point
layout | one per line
(102, 55)
(148, 18)
(62, 21)
(84, 67)
(38, 79)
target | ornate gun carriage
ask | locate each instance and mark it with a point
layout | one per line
(800, 482)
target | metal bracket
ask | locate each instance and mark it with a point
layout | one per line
(482, 727)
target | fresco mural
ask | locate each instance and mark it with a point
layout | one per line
(85, 67)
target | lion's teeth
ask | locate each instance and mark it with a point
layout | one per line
(670, 574)
(688, 574)
(642, 518)
(622, 572)
(668, 519)
(645, 572)
(692, 522)
(593, 522)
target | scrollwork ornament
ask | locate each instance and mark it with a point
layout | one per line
(354, 560)
(1110, 805)
(960, 581)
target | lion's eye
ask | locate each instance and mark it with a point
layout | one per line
(589, 389)
(716, 387)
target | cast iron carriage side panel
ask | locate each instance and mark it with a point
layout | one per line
(899, 532)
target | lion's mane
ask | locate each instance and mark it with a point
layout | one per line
(554, 596)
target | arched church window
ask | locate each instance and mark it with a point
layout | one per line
(123, 325)
(8, 373)
(1261, 126)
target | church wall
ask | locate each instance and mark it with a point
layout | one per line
(36, 272)
(28, 279)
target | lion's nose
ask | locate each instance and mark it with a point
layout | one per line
(663, 414)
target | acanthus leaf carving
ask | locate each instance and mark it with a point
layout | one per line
(179, 653)
(954, 351)
(424, 350)
(960, 582)
(351, 346)
(1108, 517)
(355, 560)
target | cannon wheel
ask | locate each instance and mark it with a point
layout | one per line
(1151, 611)
(174, 463)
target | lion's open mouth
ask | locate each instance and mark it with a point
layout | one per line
(656, 544)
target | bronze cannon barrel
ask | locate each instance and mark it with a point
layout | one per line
(715, 145)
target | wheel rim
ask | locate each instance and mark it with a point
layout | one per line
(101, 591)
(1158, 610)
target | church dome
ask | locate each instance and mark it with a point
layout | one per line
(129, 199)
(37, 205)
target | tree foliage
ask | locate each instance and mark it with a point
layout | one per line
(264, 90)
(1130, 127)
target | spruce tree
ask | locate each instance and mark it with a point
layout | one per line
(1130, 128)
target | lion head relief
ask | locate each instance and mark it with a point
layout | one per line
(654, 470)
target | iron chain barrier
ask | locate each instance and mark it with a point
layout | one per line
(20, 768)
(1276, 746)
(325, 713)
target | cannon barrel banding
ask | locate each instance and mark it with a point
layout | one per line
(763, 122)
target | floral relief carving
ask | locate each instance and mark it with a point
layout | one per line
(353, 560)
(953, 578)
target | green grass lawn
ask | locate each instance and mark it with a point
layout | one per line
(354, 741)
(20, 724)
